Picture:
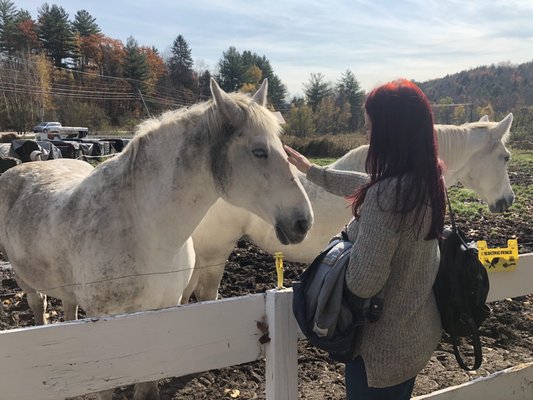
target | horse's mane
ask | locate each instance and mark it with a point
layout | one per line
(210, 124)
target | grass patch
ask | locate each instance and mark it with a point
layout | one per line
(322, 161)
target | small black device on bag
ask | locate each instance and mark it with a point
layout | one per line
(461, 290)
(329, 315)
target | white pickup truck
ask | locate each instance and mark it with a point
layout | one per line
(54, 131)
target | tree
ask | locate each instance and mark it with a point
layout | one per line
(443, 112)
(87, 34)
(26, 38)
(55, 33)
(231, 70)
(349, 91)
(276, 90)
(135, 67)
(157, 70)
(110, 57)
(204, 88)
(316, 90)
(85, 24)
(28, 80)
(89, 50)
(8, 26)
(300, 121)
(180, 65)
(330, 118)
(487, 109)
(459, 115)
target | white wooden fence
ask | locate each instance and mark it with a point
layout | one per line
(73, 358)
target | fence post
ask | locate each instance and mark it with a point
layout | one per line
(282, 350)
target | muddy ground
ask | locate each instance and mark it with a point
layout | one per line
(507, 335)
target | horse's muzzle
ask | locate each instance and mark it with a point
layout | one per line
(502, 204)
(294, 232)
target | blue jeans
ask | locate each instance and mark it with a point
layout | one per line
(357, 385)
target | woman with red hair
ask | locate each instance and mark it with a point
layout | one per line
(398, 209)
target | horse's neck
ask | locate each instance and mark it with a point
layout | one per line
(354, 160)
(171, 188)
(454, 149)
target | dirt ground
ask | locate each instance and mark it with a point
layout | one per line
(507, 335)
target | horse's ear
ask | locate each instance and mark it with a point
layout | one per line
(502, 130)
(229, 108)
(260, 96)
(484, 118)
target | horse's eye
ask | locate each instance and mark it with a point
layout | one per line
(260, 153)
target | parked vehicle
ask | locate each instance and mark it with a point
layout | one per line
(54, 130)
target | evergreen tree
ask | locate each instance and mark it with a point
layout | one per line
(316, 89)
(88, 34)
(349, 91)
(85, 24)
(55, 33)
(135, 65)
(204, 88)
(8, 26)
(180, 65)
(276, 90)
(231, 70)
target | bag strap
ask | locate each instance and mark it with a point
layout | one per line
(476, 343)
(344, 233)
(452, 220)
(450, 211)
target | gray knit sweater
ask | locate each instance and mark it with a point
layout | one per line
(389, 253)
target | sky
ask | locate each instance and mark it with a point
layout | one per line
(378, 40)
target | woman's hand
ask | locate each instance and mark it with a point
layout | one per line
(297, 159)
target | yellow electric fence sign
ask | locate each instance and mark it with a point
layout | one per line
(499, 259)
(278, 255)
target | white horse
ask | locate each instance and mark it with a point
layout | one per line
(116, 238)
(474, 154)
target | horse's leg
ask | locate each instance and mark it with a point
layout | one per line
(209, 281)
(71, 311)
(36, 301)
(191, 287)
(146, 391)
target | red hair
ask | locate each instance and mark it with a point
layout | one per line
(403, 143)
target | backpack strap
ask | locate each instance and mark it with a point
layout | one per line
(476, 343)
(450, 210)
(344, 233)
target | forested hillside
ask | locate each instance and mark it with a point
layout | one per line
(504, 87)
(493, 90)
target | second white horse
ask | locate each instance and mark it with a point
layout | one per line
(474, 154)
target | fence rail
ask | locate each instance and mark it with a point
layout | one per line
(78, 357)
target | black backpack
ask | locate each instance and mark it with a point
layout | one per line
(461, 290)
(328, 314)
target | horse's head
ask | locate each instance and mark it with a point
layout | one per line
(486, 171)
(250, 167)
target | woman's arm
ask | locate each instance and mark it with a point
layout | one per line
(340, 183)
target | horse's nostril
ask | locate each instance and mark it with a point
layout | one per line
(302, 225)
